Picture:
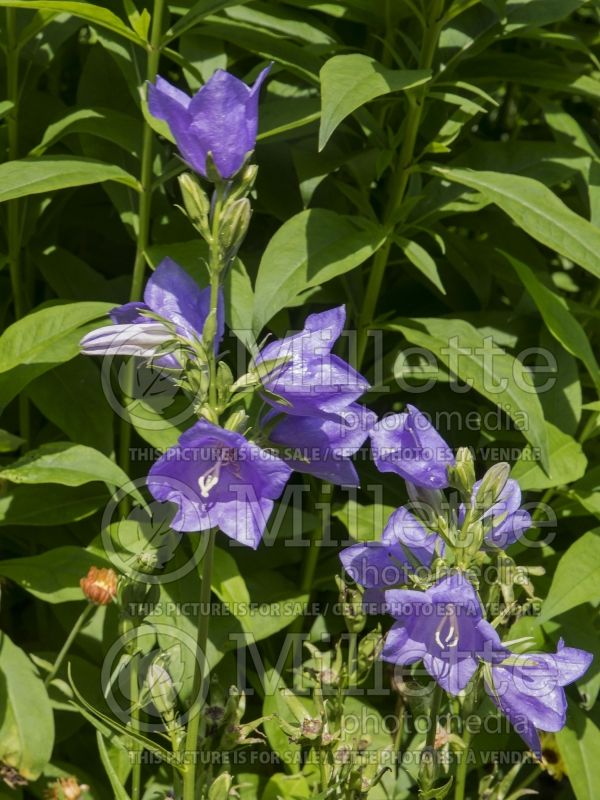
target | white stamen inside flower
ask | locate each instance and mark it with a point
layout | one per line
(446, 633)
(209, 479)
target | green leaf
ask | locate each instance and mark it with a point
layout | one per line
(68, 464)
(420, 258)
(537, 211)
(28, 176)
(122, 129)
(579, 745)
(42, 339)
(309, 249)
(196, 13)
(50, 505)
(26, 720)
(489, 369)
(53, 576)
(364, 523)
(97, 15)
(71, 396)
(116, 785)
(264, 605)
(350, 81)
(577, 577)
(567, 463)
(559, 320)
(587, 491)
(9, 442)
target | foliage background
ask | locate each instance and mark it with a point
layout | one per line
(478, 193)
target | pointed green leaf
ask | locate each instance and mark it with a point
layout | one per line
(350, 81)
(90, 12)
(489, 369)
(537, 211)
(26, 720)
(309, 249)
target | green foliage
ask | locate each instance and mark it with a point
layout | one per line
(432, 165)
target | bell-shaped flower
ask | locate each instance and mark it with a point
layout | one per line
(220, 119)
(323, 446)
(308, 379)
(409, 445)
(528, 689)
(443, 626)
(173, 306)
(505, 521)
(217, 478)
(404, 546)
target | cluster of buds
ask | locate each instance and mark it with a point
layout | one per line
(223, 220)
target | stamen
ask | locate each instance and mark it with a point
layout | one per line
(225, 456)
(446, 633)
(209, 479)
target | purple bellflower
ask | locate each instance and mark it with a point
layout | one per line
(405, 543)
(218, 478)
(528, 689)
(443, 626)
(505, 521)
(323, 445)
(221, 119)
(409, 445)
(311, 381)
(170, 294)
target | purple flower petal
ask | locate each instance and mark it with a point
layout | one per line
(399, 648)
(129, 314)
(312, 381)
(405, 529)
(528, 689)
(173, 294)
(323, 446)
(218, 478)
(140, 339)
(448, 623)
(221, 118)
(409, 445)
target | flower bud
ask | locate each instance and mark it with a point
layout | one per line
(100, 585)
(220, 787)
(462, 475)
(161, 688)
(237, 421)
(224, 382)
(369, 650)
(196, 203)
(233, 227)
(209, 331)
(352, 606)
(492, 484)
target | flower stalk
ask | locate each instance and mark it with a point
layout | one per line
(416, 104)
(201, 674)
(145, 207)
(80, 622)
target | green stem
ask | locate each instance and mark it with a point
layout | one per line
(137, 280)
(145, 208)
(402, 175)
(13, 208)
(434, 709)
(81, 620)
(134, 690)
(200, 680)
(352, 647)
(461, 770)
